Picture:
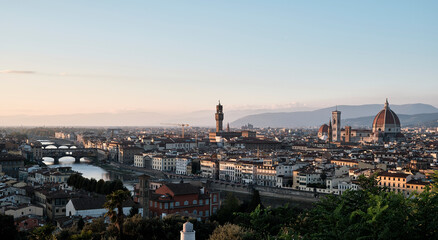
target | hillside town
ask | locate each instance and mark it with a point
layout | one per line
(187, 171)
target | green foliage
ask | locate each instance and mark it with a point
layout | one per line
(168, 228)
(81, 224)
(267, 222)
(43, 233)
(370, 184)
(255, 202)
(133, 211)
(91, 185)
(97, 226)
(84, 235)
(115, 201)
(227, 210)
(231, 232)
(370, 213)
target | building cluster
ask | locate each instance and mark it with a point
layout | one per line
(181, 170)
(385, 127)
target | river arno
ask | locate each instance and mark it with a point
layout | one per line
(88, 170)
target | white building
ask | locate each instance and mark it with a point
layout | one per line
(164, 163)
(186, 144)
(25, 210)
(248, 172)
(143, 160)
(181, 165)
(227, 170)
(93, 207)
(209, 168)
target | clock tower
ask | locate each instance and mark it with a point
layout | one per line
(336, 126)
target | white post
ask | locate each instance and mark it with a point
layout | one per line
(188, 233)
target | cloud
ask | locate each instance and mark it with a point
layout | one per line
(17, 71)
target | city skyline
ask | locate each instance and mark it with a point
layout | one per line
(183, 57)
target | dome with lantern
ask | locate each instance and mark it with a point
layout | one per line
(386, 124)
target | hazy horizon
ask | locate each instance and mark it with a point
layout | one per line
(83, 57)
(204, 118)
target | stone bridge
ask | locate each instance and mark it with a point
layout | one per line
(77, 153)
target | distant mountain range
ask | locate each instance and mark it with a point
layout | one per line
(134, 118)
(356, 116)
(415, 120)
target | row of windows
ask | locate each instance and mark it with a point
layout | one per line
(177, 204)
(398, 185)
(398, 179)
(393, 184)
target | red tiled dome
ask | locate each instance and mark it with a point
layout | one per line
(386, 118)
(323, 129)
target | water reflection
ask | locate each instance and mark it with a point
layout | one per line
(91, 171)
(87, 170)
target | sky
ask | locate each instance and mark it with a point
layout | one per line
(64, 57)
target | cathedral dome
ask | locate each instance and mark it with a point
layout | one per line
(386, 121)
(323, 129)
(323, 132)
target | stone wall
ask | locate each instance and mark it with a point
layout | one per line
(269, 196)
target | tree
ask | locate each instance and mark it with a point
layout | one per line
(228, 208)
(115, 201)
(65, 234)
(133, 211)
(97, 226)
(267, 222)
(230, 232)
(84, 235)
(369, 184)
(7, 229)
(255, 201)
(99, 186)
(43, 233)
(81, 224)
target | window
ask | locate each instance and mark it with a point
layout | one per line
(200, 202)
(176, 204)
(186, 202)
(207, 201)
(155, 204)
(161, 206)
(206, 213)
(195, 212)
(195, 202)
(150, 203)
(171, 205)
(200, 213)
(166, 206)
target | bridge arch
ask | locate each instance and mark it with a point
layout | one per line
(50, 147)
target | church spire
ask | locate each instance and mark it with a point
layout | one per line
(386, 103)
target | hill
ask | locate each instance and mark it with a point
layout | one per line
(362, 113)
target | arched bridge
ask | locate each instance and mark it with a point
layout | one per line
(60, 146)
(77, 153)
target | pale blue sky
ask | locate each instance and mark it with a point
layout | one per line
(100, 56)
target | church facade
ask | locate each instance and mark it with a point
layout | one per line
(386, 127)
